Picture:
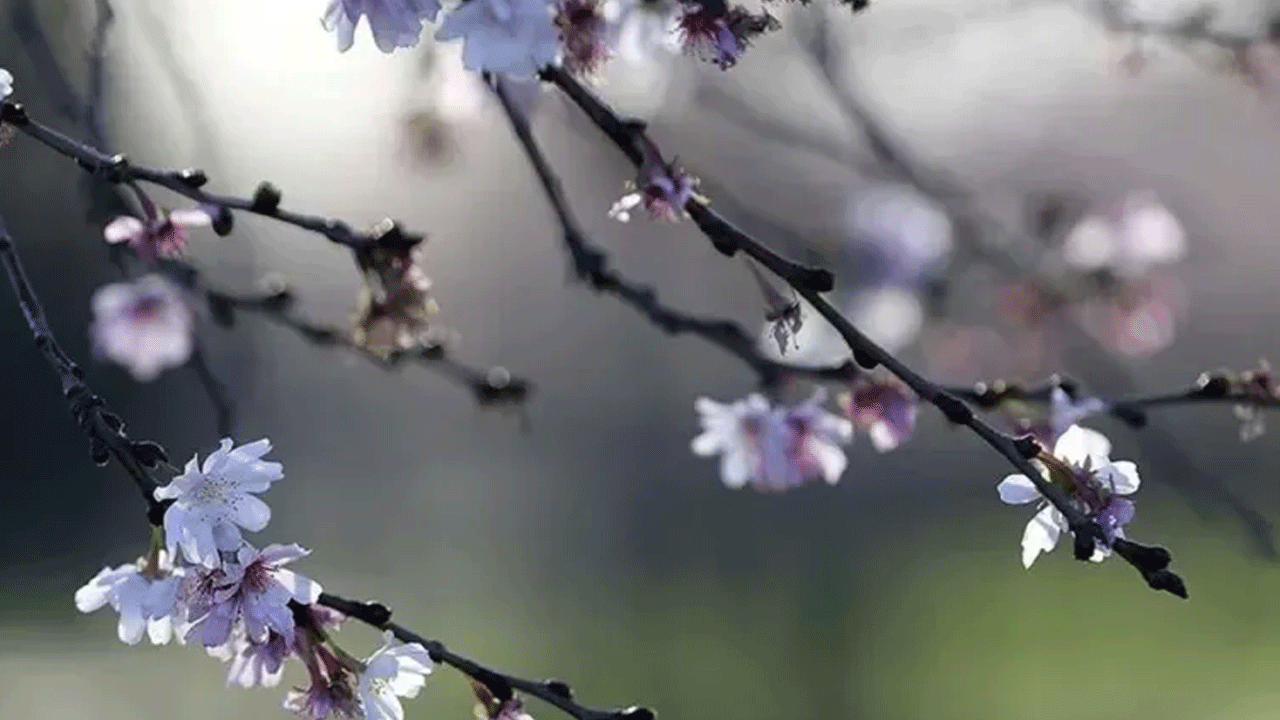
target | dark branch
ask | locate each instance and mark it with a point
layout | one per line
(1152, 563)
(591, 265)
(106, 434)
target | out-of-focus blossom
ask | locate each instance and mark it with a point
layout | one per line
(897, 236)
(1135, 237)
(146, 325)
(211, 503)
(397, 310)
(511, 37)
(884, 408)
(1257, 384)
(144, 594)
(162, 235)
(1091, 481)
(1138, 318)
(773, 449)
(396, 670)
(6, 83)
(393, 23)
(662, 188)
(648, 29)
(253, 591)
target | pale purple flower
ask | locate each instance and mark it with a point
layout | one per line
(394, 671)
(510, 37)
(255, 590)
(662, 188)
(146, 325)
(1134, 237)
(330, 692)
(393, 23)
(1091, 481)
(162, 234)
(144, 594)
(212, 503)
(254, 664)
(587, 36)
(332, 685)
(773, 449)
(897, 236)
(1063, 414)
(6, 83)
(885, 409)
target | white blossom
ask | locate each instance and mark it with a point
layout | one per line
(1091, 481)
(394, 671)
(510, 37)
(6, 83)
(393, 23)
(144, 597)
(1141, 233)
(147, 326)
(212, 503)
(773, 449)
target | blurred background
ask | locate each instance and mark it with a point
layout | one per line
(580, 538)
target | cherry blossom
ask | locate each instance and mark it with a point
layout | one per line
(773, 449)
(1091, 481)
(160, 233)
(885, 408)
(662, 188)
(211, 503)
(143, 593)
(147, 326)
(511, 37)
(395, 670)
(1138, 235)
(253, 591)
(393, 23)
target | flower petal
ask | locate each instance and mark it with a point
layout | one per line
(1017, 490)
(1040, 535)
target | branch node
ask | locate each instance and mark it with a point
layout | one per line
(559, 688)
(14, 114)
(194, 178)
(954, 410)
(266, 199)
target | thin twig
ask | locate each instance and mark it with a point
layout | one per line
(1151, 562)
(591, 265)
(106, 433)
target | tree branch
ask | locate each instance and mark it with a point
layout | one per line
(1151, 562)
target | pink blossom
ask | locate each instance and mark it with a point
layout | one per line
(147, 326)
(164, 234)
(885, 409)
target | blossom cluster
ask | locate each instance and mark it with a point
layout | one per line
(518, 38)
(201, 582)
